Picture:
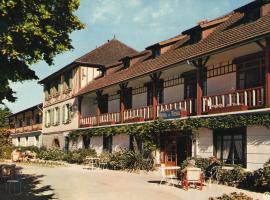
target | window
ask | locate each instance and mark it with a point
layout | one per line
(230, 146)
(250, 74)
(86, 141)
(37, 140)
(156, 52)
(56, 116)
(26, 141)
(66, 113)
(48, 118)
(38, 119)
(107, 143)
(190, 86)
(28, 121)
(126, 62)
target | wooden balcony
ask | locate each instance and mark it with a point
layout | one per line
(26, 129)
(238, 100)
(235, 101)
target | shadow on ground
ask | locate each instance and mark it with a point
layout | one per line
(30, 189)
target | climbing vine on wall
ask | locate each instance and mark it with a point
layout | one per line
(148, 132)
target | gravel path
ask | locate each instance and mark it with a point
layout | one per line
(77, 183)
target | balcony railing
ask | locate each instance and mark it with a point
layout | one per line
(186, 105)
(238, 100)
(109, 118)
(139, 114)
(88, 121)
(234, 101)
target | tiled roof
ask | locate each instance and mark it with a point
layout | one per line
(225, 35)
(108, 53)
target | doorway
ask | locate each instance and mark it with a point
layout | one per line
(175, 147)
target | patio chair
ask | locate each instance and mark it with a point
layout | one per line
(7, 172)
(166, 174)
(192, 175)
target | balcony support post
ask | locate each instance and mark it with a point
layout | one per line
(80, 98)
(99, 95)
(33, 117)
(200, 65)
(267, 73)
(155, 79)
(123, 87)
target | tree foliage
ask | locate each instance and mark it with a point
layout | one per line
(4, 133)
(30, 31)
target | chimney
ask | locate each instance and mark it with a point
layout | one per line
(265, 9)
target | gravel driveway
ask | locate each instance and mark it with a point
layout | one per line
(77, 183)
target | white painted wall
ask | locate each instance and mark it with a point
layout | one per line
(221, 84)
(114, 105)
(63, 127)
(258, 146)
(174, 94)
(139, 100)
(120, 141)
(204, 143)
(97, 144)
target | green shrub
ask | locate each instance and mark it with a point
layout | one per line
(51, 154)
(232, 177)
(202, 163)
(129, 160)
(232, 196)
(79, 156)
(258, 180)
(5, 152)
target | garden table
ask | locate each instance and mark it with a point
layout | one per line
(94, 162)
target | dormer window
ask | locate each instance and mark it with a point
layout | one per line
(156, 52)
(126, 62)
(252, 15)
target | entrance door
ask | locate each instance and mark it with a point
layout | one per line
(175, 148)
(171, 152)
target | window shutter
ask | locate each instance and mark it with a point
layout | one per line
(58, 115)
(63, 113)
(46, 121)
(52, 116)
(69, 111)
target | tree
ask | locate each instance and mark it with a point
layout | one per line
(31, 31)
(4, 133)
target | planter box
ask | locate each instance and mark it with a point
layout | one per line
(106, 123)
(228, 109)
(135, 119)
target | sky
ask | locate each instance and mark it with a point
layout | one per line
(137, 23)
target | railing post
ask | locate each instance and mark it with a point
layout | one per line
(199, 73)
(79, 110)
(267, 73)
(99, 95)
